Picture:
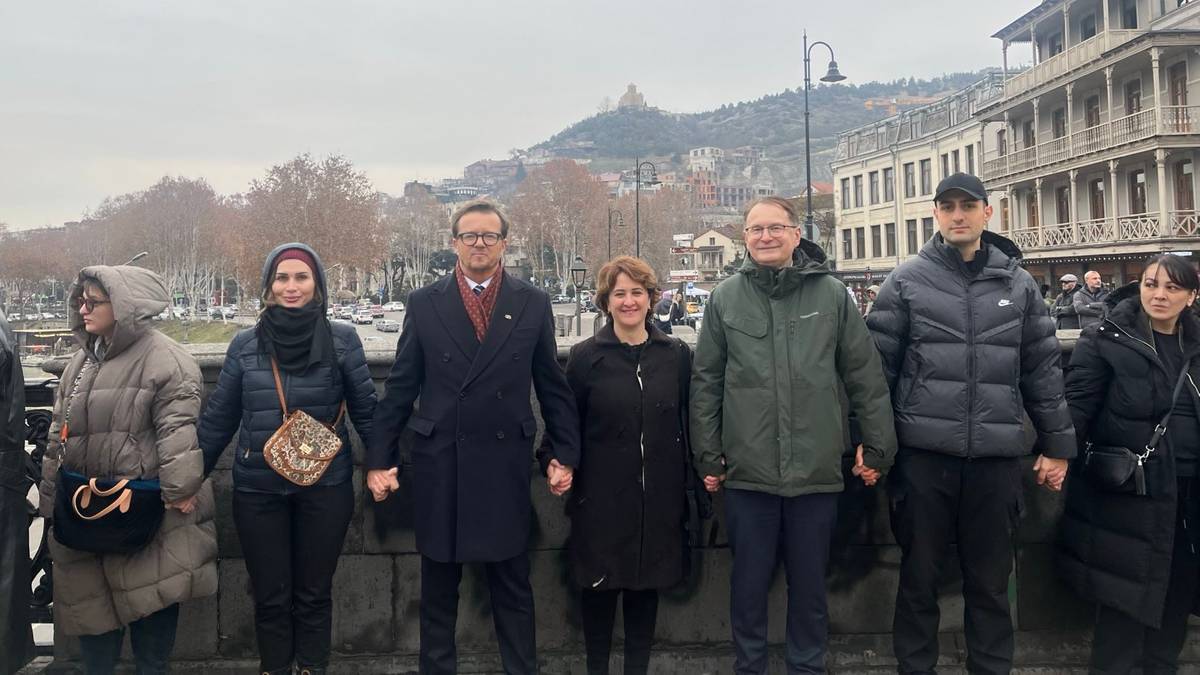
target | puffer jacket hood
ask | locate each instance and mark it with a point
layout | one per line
(1003, 255)
(319, 273)
(808, 259)
(137, 295)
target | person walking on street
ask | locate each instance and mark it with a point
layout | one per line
(777, 339)
(1089, 300)
(292, 360)
(968, 348)
(1063, 310)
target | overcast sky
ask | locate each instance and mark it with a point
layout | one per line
(103, 98)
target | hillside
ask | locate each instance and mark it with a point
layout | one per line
(776, 122)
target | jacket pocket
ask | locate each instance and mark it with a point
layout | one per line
(753, 326)
(422, 426)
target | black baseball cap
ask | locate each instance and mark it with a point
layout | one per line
(964, 182)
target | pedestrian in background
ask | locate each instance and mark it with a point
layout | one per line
(1063, 311)
(1089, 300)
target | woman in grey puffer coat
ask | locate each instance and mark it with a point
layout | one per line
(129, 401)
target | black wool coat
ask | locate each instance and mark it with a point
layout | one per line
(628, 503)
(1115, 549)
(472, 455)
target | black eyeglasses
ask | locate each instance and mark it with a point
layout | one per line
(90, 303)
(469, 238)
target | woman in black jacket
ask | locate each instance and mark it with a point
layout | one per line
(628, 501)
(291, 535)
(1135, 556)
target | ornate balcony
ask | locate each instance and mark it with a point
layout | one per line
(1132, 229)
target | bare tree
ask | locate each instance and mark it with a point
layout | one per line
(560, 205)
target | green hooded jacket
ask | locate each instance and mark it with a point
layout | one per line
(775, 349)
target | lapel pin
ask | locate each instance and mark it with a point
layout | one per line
(508, 316)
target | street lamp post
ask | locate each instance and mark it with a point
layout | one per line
(620, 223)
(578, 276)
(637, 202)
(831, 76)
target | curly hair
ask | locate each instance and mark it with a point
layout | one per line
(636, 269)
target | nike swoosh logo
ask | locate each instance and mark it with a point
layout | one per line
(1005, 302)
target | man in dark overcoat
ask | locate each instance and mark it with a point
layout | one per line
(472, 344)
(16, 639)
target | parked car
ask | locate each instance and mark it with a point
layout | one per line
(362, 317)
(387, 326)
(394, 306)
(217, 312)
(345, 312)
(377, 311)
(562, 299)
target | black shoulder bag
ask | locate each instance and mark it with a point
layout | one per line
(1121, 470)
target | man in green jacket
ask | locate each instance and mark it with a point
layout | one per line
(779, 341)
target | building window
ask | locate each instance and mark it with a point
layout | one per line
(1058, 122)
(858, 192)
(1133, 97)
(971, 159)
(1054, 45)
(712, 241)
(1062, 204)
(889, 238)
(910, 181)
(954, 161)
(1033, 210)
(926, 229)
(1087, 27)
(1184, 190)
(860, 241)
(1002, 142)
(1096, 198)
(876, 248)
(1091, 111)
(845, 193)
(911, 227)
(945, 165)
(873, 182)
(1129, 17)
(889, 185)
(1137, 192)
(926, 177)
(1028, 134)
(1004, 215)
(847, 245)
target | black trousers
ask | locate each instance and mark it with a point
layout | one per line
(762, 529)
(292, 543)
(937, 499)
(1120, 643)
(640, 609)
(512, 613)
(152, 638)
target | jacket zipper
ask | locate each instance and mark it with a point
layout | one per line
(642, 449)
(970, 365)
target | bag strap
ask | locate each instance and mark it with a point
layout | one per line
(283, 401)
(1161, 429)
(121, 502)
(279, 386)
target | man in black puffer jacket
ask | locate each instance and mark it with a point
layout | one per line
(968, 347)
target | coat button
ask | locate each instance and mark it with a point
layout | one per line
(516, 356)
(499, 394)
(462, 437)
(446, 357)
(499, 435)
(462, 394)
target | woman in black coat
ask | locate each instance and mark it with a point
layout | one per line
(291, 535)
(628, 501)
(1135, 556)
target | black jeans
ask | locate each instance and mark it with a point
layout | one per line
(937, 499)
(512, 615)
(763, 528)
(1120, 643)
(152, 638)
(640, 609)
(291, 544)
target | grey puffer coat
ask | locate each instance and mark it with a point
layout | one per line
(966, 357)
(133, 414)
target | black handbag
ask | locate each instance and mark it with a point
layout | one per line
(1121, 470)
(103, 515)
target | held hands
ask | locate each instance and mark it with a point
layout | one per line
(1050, 472)
(868, 475)
(184, 506)
(382, 482)
(559, 477)
(713, 483)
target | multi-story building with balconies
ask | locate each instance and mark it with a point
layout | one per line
(1093, 148)
(884, 177)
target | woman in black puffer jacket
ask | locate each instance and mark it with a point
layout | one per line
(291, 535)
(1135, 556)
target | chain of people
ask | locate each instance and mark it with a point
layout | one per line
(935, 383)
